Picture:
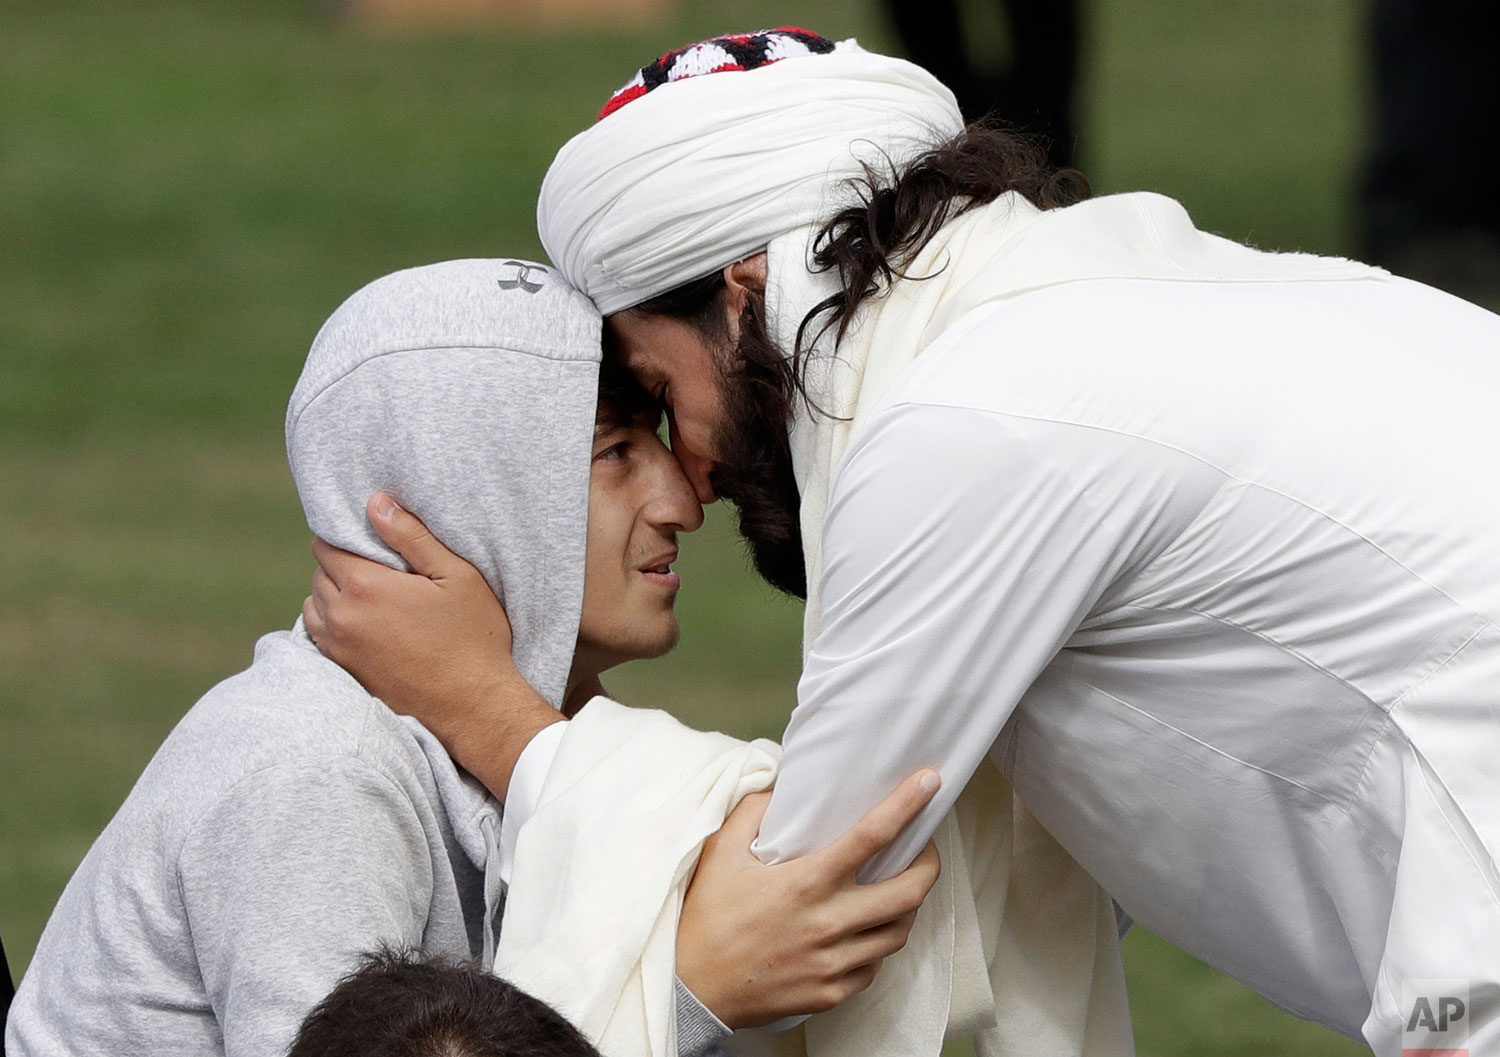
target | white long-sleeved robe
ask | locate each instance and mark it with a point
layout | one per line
(1213, 573)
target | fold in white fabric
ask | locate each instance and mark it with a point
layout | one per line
(708, 170)
(1045, 980)
(602, 867)
(525, 790)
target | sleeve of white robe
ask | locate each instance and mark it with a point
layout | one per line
(962, 547)
(698, 1029)
(625, 807)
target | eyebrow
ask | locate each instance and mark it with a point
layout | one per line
(645, 416)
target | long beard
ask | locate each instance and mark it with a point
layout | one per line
(754, 456)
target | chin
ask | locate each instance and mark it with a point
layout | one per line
(641, 644)
(658, 644)
(663, 644)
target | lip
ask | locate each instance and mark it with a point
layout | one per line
(668, 579)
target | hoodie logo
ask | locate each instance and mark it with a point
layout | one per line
(522, 277)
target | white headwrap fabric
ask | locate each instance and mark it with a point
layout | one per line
(705, 171)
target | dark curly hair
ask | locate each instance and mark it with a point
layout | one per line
(869, 243)
(400, 1004)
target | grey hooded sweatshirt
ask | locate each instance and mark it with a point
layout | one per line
(291, 821)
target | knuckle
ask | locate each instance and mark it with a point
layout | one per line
(361, 588)
(912, 899)
(805, 887)
(897, 940)
(921, 881)
(827, 964)
(823, 926)
(827, 997)
(907, 908)
(337, 625)
(862, 978)
(868, 837)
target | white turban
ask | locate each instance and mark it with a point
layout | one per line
(705, 171)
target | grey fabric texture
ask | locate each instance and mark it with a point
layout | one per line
(291, 821)
(699, 1032)
(466, 390)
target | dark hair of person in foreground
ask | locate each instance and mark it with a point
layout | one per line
(398, 1004)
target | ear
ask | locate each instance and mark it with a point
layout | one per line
(743, 278)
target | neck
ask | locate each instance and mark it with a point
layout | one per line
(583, 683)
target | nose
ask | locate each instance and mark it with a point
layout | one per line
(697, 467)
(674, 504)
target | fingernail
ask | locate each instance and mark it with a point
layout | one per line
(386, 507)
(930, 781)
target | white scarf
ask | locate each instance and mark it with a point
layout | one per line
(601, 868)
(603, 864)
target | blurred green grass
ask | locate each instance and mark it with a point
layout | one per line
(187, 190)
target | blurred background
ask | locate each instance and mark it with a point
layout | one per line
(188, 189)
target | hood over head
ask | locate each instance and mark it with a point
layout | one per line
(467, 390)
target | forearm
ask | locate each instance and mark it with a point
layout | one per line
(957, 562)
(488, 739)
(872, 739)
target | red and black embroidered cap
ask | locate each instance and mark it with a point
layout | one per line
(735, 51)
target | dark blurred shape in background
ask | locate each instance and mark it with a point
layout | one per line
(7, 990)
(1033, 91)
(1428, 207)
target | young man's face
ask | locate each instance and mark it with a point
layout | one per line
(677, 365)
(639, 500)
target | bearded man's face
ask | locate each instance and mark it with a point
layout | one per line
(728, 400)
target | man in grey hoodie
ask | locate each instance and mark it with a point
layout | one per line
(291, 821)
